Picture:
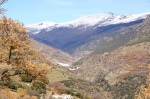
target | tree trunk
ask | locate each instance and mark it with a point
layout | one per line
(10, 53)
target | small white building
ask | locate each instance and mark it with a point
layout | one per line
(63, 96)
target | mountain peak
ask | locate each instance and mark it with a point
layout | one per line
(42, 25)
(101, 19)
(92, 19)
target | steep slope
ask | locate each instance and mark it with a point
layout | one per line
(122, 71)
(136, 47)
(54, 55)
(86, 34)
(112, 65)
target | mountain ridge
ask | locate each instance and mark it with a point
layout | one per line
(83, 40)
(89, 20)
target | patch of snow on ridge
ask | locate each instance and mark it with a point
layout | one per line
(92, 19)
(129, 18)
(42, 25)
(63, 64)
(36, 28)
(101, 19)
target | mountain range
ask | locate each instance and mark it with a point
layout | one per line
(101, 56)
(102, 19)
(87, 35)
(90, 34)
(123, 70)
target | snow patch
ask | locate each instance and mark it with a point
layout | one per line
(101, 19)
(73, 68)
(63, 64)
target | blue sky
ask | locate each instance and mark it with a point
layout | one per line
(34, 11)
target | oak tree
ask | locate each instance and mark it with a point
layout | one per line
(16, 50)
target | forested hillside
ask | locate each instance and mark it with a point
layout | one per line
(18, 60)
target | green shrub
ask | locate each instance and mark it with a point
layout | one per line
(14, 85)
(26, 78)
(140, 40)
(70, 91)
(68, 83)
(39, 87)
(79, 95)
(73, 93)
(130, 86)
(77, 63)
(17, 72)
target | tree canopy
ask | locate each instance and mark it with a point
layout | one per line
(16, 50)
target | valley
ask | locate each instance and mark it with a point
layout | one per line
(100, 56)
(84, 35)
(111, 58)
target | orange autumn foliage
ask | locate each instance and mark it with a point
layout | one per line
(144, 92)
(16, 50)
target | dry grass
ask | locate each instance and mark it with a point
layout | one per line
(7, 94)
(55, 76)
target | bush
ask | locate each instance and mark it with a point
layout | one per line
(79, 95)
(74, 93)
(77, 63)
(17, 72)
(68, 83)
(70, 91)
(39, 87)
(26, 78)
(14, 85)
(129, 87)
(140, 40)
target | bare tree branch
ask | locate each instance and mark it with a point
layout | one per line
(2, 10)
(2, 1)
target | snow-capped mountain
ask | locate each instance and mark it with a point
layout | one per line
(101, 19)
(37, 27)
(89, 33)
